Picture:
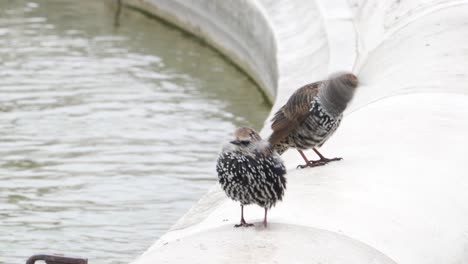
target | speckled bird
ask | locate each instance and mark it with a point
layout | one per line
(251, 172)
(311, 115)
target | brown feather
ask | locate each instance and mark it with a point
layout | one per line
(293, 113)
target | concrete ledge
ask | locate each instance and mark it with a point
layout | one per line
(257, 245)
(399, 195)
(239, 29)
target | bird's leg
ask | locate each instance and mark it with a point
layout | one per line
(323, 159)
(309, 163)
(242, 222)
(265, 218)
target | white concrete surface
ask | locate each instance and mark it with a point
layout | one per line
(399, 195)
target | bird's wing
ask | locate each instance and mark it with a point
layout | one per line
(293, 113)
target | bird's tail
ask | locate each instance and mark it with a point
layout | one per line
(278, 143)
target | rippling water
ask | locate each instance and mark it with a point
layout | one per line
(107, 135)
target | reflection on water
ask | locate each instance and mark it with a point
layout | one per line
(107, 136)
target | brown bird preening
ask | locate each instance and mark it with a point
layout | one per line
(311, 115)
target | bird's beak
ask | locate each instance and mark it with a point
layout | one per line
(236, 142)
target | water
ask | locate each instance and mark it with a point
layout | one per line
(107, 136)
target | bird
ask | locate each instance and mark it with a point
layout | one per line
(311, 116)
(251, 172)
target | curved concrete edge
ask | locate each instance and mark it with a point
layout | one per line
(419, 54)
(257, 245)
(239, 29)
(401, 189)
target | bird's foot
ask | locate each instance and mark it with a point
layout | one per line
(316, 163)
(244, 224)
(311, 163)
(326, 160)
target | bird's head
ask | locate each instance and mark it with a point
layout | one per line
(345, 80)
(248, 141)
(245, 137)
(339, 90)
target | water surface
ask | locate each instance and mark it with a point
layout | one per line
(107, 136)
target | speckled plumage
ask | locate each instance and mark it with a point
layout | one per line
(250, 172)
(314, 131)
(312, 114)
(252, 179)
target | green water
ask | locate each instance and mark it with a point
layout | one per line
(107, 135)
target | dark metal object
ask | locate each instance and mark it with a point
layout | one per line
(49, 259)
(117, 13)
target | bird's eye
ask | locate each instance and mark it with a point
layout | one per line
(245, 142)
